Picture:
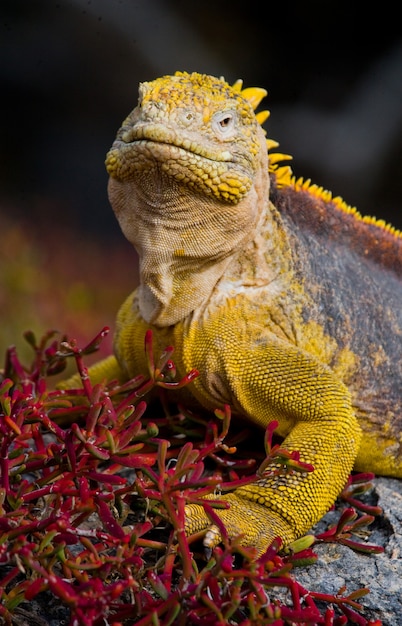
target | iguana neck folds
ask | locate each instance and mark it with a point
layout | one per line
(185, 241)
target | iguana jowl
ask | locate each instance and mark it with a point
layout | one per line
(287, 301)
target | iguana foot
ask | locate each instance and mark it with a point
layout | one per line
(256, 524)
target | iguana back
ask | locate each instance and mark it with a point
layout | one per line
(351, 271)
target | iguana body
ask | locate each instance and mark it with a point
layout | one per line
(287, 301)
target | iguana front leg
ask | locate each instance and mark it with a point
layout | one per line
(280, 382)
(106, 370)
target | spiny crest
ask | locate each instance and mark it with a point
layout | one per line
(255, 95)
(284, 175)
(323, 194)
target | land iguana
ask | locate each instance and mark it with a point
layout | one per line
(287, 300)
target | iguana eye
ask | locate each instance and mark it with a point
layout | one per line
(223, 123)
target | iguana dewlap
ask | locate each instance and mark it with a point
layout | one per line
(287, 301)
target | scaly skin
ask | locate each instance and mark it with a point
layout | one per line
(287, 301)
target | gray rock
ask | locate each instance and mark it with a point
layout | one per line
(339, 566)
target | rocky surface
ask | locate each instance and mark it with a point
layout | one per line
(339, 566)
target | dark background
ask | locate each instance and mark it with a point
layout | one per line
(70, 69)
(69, 73)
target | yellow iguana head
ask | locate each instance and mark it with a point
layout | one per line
(195, 129)
(189, 185)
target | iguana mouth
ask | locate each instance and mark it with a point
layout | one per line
(159, 134)
(144, 149)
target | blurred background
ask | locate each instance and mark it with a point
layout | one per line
(69, 74)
